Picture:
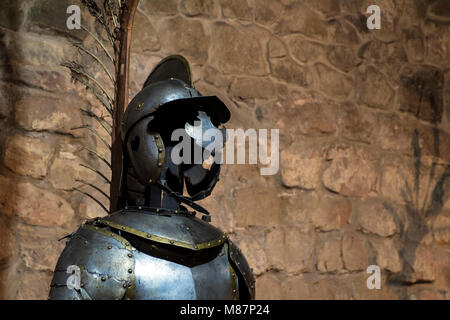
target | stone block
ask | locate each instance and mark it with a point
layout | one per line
(27, 156)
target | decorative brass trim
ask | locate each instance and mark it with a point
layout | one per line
(130, 294)
(235, 255)
(161, 156)
(233, 276)
(155, 238)
(109, 234)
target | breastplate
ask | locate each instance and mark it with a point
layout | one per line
(153, 254)
(162, 279)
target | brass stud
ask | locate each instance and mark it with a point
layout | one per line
(209, 244)
(149, 235)
(195, 247)
(187, 228)
(130, 271)
(159, 164)
(157, 210)
(234, 290)
(103, 278)
(150, 181)
(123, 228)
(130, 255)
(109, 247)
(82, 285)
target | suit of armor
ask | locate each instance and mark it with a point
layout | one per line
(154, 247)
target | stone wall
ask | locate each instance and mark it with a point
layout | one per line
(364, 119)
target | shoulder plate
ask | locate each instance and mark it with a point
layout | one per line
(170, 228)
(241, 264)
(105, 262)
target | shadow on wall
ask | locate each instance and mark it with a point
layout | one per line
(423, 206)
(9, 71)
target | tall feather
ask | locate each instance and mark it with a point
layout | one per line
(116, 17)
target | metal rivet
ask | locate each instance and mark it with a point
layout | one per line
(150, 181)
(103, 278)
(149, 236)
(157, 210)
(159, 164)
(82, 285)
(126, 208)
(109, 247)
(130, 255)
(124, 285)
(171, 241)
(140, 208)
(85, 242)
(188, 228)
(123, 228)
(209, 244)
(196, 247)
(234, 290)
(130, 271)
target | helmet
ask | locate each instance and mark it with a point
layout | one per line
(168, 101)
(172, 96)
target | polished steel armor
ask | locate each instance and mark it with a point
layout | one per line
(154, 247)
